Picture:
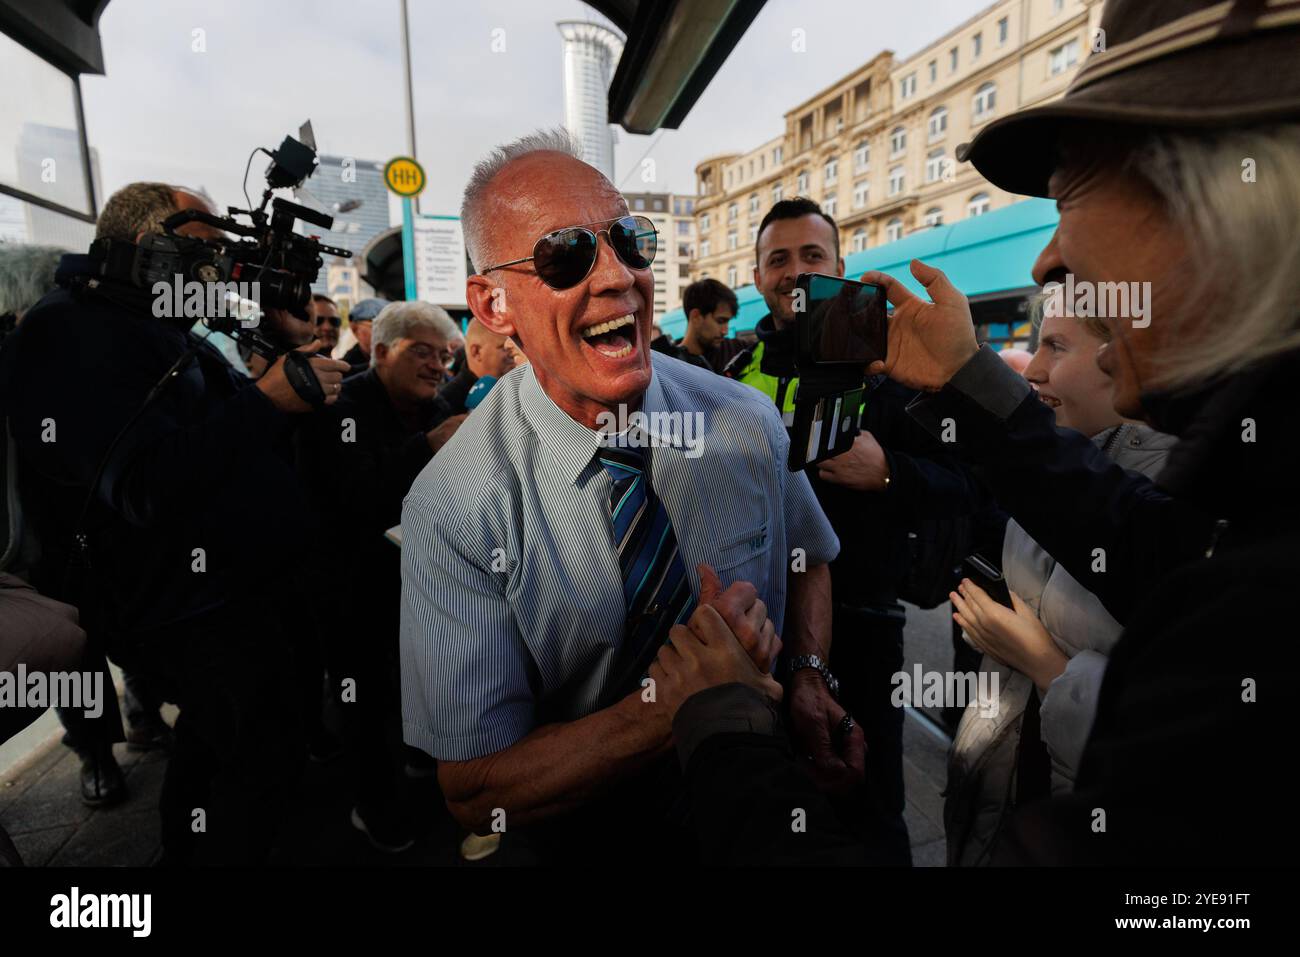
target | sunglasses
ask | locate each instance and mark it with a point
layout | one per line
(334, 321)
(565, 257)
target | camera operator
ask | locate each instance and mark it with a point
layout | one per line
(168, 477)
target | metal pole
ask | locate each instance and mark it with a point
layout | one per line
(410, 97)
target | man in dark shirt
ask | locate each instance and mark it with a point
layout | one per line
(709, 306)
(486, 354)
(387, 424)
(360, 317)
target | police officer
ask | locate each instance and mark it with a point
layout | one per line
(894, 474)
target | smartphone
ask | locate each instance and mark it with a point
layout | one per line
(842, 323)
(989, 577)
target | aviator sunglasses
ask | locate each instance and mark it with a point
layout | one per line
(565, 257)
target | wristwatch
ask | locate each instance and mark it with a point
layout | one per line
(800, 662)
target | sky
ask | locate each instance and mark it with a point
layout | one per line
(168, 111)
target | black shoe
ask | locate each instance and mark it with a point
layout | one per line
(150, 737)
(102, 783)
(387, 832)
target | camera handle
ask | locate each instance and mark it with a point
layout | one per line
(298, 370)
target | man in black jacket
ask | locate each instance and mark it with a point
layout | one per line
(388, 423)
(486, 354)
(874, 494)
(177, 587)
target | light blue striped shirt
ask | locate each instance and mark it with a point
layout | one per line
(512, 601)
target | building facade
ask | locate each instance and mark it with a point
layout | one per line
(352, 191)
(674, 219)
(877, 149)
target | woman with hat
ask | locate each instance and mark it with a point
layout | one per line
(1174, 159)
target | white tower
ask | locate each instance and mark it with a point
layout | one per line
(591, 52)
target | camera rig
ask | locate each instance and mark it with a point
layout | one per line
(263, 254)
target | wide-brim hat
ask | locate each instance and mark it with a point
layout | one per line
(1161, 64)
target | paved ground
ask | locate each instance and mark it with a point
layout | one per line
(41, 809)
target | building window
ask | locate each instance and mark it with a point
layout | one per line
(897, 142)
(933, 217)
(731, 276)
(859, 239)
(934, 166)
(690, 206)
(832, 171)
(638, 204)
(1063, 57)
(907, 86)
(778, 192)
(829, 205)
(1057, 6)
(705, 223)
(977, 46)
(952, 60)
(861, 157)
(731, 240)
(801, 182)
(732, 211)
(753, 204)
(984, 102)
(683, 227)
(938, 124)
(684, 250)
(861, 191)
(704, 249)
(934, 71)
(753, 233)
(683, 270)
(839, 123)
(778, 155)
(896, 181)
(894, 230)
(1004, 27)
(978, 205)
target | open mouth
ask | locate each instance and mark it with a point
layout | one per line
(614, 338)
(1051, 401)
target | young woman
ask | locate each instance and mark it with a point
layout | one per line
(1054, 643)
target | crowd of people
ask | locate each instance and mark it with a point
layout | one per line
(654, 637)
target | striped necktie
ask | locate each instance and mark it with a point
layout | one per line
(656, 591)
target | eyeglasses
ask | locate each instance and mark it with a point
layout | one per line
(565, 257)
(334, 321)
(424, 353)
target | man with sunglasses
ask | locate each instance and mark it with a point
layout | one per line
(328, 322)
(558, 540)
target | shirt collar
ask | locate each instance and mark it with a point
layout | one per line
(571, 444)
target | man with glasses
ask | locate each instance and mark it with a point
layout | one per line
(366, 450)
(327, 322)
(568, 529)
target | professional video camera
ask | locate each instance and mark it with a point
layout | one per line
(281, 263)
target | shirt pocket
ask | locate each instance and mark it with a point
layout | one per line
(745, 555)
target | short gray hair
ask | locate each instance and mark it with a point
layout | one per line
(473, 217)
(26, 275)
(398, 320)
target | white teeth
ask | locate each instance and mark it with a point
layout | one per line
(610, 326)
